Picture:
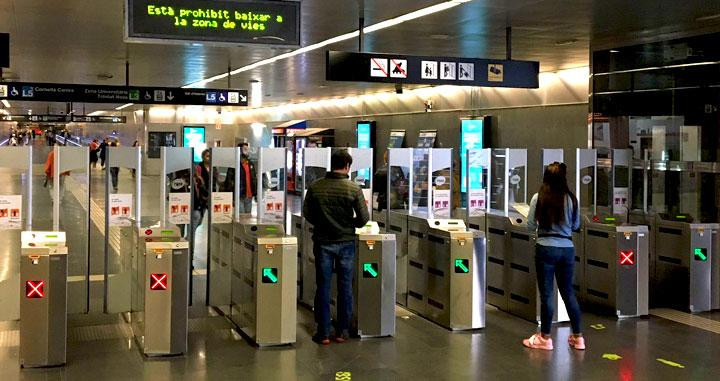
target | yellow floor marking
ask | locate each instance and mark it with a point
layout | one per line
(671, 363)
(611, 356)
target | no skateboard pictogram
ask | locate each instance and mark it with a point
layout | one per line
(398, 68)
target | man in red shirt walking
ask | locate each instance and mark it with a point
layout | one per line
(248, 180)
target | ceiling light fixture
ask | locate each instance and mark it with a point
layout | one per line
(344, 37)
(6, 103)
(614, 51)
(124, 106)
(569, 41)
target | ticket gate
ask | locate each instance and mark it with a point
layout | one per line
(308, 266)
(417, 261)
(397, 224)
(163, 287)
(221, 241)
(511, 274)
(617, 267)
(374, 283)
(686, 265)
(43, 307)
(264, 282)
(455, 275)
(380, 218)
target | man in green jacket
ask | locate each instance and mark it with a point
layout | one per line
(335, 206)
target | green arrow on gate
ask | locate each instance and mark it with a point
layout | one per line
(368, 268)
(268, 273)
(460, 264)
(699, 254)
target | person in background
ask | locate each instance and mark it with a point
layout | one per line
(102, 152)
(114, 171)
(554, 215)
(248, 180)
(94, 146)
(50, 173)
(202, 189)
(335, 206)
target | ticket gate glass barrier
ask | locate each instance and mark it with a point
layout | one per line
(374, 284)
(122, 206)
(221, 212)
(272, 185)
(17, 182)
(617, 268)
(264, 295)
(360, 173)
(43, 299)
(161, 292)
(399, 199)
(586, 193)
(316, 163)
(478, 179)
(432, 182)
(685, 266)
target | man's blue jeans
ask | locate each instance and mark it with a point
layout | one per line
(556, 263)
(339, 256)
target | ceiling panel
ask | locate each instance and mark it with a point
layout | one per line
(81, 41)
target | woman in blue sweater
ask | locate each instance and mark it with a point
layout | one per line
(554, 215)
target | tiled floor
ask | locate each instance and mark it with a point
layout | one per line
(100, 348)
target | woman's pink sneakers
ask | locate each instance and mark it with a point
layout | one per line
(577, 342)
(536, 341)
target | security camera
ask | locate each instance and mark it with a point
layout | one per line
(428, 105)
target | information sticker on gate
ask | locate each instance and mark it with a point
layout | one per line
(121, 210)
(477, 202)
(179, 208)
(441, 203)
(11, 212)
(222, 207)
(274, 205)
(620, 200)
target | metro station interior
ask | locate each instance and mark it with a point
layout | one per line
(155, 157)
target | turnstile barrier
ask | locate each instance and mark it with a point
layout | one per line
(162, 288)
(264, 283)
(375, 284)
(617, 266)
(43, 305)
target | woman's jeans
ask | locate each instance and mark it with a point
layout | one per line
(558, 263)
(339, 256)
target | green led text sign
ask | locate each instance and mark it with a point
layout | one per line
(231, 22)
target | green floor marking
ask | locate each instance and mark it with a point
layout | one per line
(671, 363)
(611, 356)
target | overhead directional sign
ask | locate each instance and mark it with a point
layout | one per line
(64, 118)
(425, 70)
(56, 92)
(227, 22)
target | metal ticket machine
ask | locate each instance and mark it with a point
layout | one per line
(43, 305)
(264, 282)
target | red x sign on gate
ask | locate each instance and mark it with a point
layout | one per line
(627, 257)
(158, 282)
(35, 289)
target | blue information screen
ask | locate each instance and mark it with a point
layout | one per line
(195, 137)
(471, 137)
(364, 133)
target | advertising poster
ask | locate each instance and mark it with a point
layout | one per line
(274, 205)
(441, 203)
(620, 200)
(121, 210)
(179, 208)
(477, 202)
(222, 207)
(11, 212)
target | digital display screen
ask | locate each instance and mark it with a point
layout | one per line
(426, 139)
(194, 137)
(471, 138)
(364, 135)
(397, 138)
(229, 21)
